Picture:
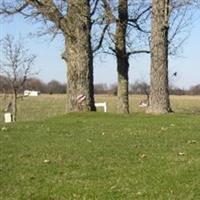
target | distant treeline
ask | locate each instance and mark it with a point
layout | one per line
(55, 87)
(35, 84)
(143, 88)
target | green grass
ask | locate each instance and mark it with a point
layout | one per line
(44, 106)
(101, 156)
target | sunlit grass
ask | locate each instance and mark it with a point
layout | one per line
(51, 155)
(101, 156)
(43, 106)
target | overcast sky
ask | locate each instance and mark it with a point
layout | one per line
(51, 66)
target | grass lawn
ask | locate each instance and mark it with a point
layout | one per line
(44, 106)
(101, 156)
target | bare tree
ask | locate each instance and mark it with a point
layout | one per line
(78, 54)
(159, 92)
(169, 18)
(16, 65)
(124, 24)
(122, 56)
(73, 19)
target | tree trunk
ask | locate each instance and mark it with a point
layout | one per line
(159, 93)
(79, 57)
(122, 57)
(14, 106)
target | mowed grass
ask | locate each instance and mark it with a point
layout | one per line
(101, 156)
(48, 155)
(44, 106)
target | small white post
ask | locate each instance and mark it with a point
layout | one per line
(104, 105)
(8, 117)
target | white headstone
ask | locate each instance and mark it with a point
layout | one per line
(8, 117)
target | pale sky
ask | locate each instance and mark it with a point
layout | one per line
(51, 66)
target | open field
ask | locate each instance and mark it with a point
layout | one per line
(49, 155)
(37, 108)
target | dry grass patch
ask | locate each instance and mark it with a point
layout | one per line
(44, 106)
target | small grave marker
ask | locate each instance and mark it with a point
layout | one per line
(8, 117)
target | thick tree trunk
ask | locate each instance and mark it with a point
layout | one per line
(79, 57)
(159, 93)
(122, 57)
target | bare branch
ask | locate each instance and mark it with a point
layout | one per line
(95, 7)
(48, 9)
(101, 38)
(40, 11)
(108, 14)
(5, 9)
(138, 52)
(140, 15)
(138, 27)
(136, 23)
(15, 63)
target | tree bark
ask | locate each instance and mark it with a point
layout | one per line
(14, 106)
(78, 56)
(122, 57)
(159, 93)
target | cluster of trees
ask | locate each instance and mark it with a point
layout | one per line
(118, 27)
(141, 87)
(55, 87)
(194, 90)
(52, 87)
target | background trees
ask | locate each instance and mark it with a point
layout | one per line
(54, 87)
